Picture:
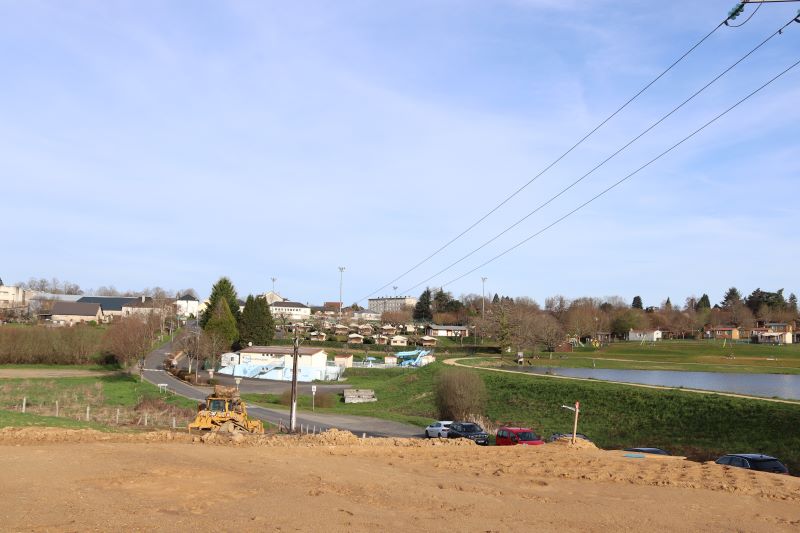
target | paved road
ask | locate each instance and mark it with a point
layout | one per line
(373, 427)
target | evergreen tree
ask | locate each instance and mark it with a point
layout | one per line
(703, 303)
(792, 304)
(496, 299)
(257, 325)
(440, 301)
(668, 305)
(422, 311)
(222, 290)
(637, 302)
(221, 325)
(732, 297)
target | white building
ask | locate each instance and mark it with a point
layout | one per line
(435, 330)
(187, 305)
(271, 297)
(399, 340)
(396, 303)
(290, 311)
(15, 298)
(367, 315)
(275, 362)
(647, 335)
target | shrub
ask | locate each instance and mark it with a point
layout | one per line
(460, 394)
(325, 399)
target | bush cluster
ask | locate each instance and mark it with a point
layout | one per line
(80, 344)
(460, 394)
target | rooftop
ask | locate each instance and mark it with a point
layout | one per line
(75, 308)
(280, 350)
(289, 304)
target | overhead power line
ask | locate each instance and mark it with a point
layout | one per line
(607, 159)
(614, 185)
(552, 164)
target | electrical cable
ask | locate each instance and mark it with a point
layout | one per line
(548, 167)
(779, 31)
(606, 190)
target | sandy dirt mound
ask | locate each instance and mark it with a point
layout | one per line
(582, 444)
(331, 482)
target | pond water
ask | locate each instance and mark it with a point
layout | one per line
(785, 386)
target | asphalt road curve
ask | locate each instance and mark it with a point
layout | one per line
(373, 427)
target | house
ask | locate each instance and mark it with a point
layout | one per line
(398, 340)
(300, 327)
(341, 329)
(434, 330)
(355, 338)
(390, 360)
(142, 308)
(388, 329)
(410, 329)
(779, 327)
(318, 336)
(646, 335)
(427, 341)
(774, 337)
(290, 311)
(69, 313)
(112, 305)
(389, 303)
(381, 339)
(345, 361)
(367, 316)
(187, 306)
(365, 329)
(275, 362)
(724, 332)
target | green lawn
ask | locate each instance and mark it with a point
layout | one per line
(93, 367)
(102, 394)
(15, 419)
(701, 426)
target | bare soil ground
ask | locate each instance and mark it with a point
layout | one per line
(78, 480)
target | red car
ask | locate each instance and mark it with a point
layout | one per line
(507, 436)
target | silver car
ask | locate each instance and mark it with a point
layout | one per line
(438, 429)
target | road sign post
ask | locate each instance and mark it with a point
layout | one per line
(313, 396)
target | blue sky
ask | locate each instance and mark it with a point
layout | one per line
(169, 143)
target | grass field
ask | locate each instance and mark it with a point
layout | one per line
(14, 419)
(614, 416)
(103, 395)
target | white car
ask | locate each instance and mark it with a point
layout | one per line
(438, 429)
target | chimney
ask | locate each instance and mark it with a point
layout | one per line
(143, 298)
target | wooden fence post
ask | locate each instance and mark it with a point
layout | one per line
(117, 415)
(56, 408)
(87, 413)
(24, 403)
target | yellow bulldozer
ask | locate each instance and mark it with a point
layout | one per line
(224, 410)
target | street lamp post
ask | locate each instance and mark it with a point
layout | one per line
(341, 276)
(483, 297)
(274, 279)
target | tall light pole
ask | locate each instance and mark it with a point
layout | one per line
(273, 284)
(341, 275)
(483, 297)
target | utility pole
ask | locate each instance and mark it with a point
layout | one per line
(274, 279)
(341, 274)
(293, 409)
(483, 297)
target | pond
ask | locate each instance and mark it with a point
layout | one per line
(786, 386)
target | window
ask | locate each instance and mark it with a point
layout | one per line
(724, 460)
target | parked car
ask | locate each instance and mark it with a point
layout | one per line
(510, 436)
(438, 429)
(753, 461)
(556, 436)
(468, 430)
(654, 451)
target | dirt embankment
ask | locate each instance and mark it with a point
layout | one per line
(55, 479)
